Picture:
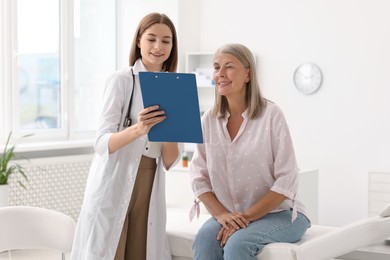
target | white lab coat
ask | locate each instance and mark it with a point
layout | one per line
(111, 181)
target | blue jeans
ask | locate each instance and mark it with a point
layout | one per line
(246, 243)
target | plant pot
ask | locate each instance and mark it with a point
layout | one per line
(184, 163)
(4, 195)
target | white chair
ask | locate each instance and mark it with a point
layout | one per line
(24, 227)
(318, 243)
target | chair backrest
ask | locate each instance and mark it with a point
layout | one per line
(24, 227)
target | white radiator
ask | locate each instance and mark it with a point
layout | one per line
(55, 183)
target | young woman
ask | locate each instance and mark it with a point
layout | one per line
(123, 214)
(245, 172)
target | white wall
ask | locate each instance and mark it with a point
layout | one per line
(342, 130)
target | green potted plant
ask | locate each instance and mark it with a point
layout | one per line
(7, 168)
(184, 160)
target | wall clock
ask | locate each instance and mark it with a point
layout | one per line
(308, 78)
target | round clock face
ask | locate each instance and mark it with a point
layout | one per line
(307, 78)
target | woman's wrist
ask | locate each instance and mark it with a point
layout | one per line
(248, 215)
(135, 131)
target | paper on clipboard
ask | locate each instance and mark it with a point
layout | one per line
(177, 95)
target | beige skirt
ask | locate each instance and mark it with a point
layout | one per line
(132, 243)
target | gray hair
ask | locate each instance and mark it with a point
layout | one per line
(253, 98)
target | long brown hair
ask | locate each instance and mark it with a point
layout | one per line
(155, 18)
(253, 98)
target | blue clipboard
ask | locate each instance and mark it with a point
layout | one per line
(177, 95)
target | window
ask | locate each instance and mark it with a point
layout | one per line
(55, 59)
(38, 78)
(95, 49)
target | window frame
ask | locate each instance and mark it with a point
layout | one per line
(64, 55)
(66, 135)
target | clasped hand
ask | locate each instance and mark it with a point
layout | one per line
(231, 222)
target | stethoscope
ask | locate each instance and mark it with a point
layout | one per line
(127, 121)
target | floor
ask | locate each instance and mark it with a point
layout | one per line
(379, 251)
(33, 255)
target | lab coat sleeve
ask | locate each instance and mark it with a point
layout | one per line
(117, 86)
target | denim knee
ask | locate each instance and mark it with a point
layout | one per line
(238, 248)
(206, 245)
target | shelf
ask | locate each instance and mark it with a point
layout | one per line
(179, 168)
(201, 64)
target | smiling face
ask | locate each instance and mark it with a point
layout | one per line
(230, 75)
(155, 45)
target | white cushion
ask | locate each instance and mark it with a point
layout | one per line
(287, 251)
(345, 239)
(318, 243)
(181, 233)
